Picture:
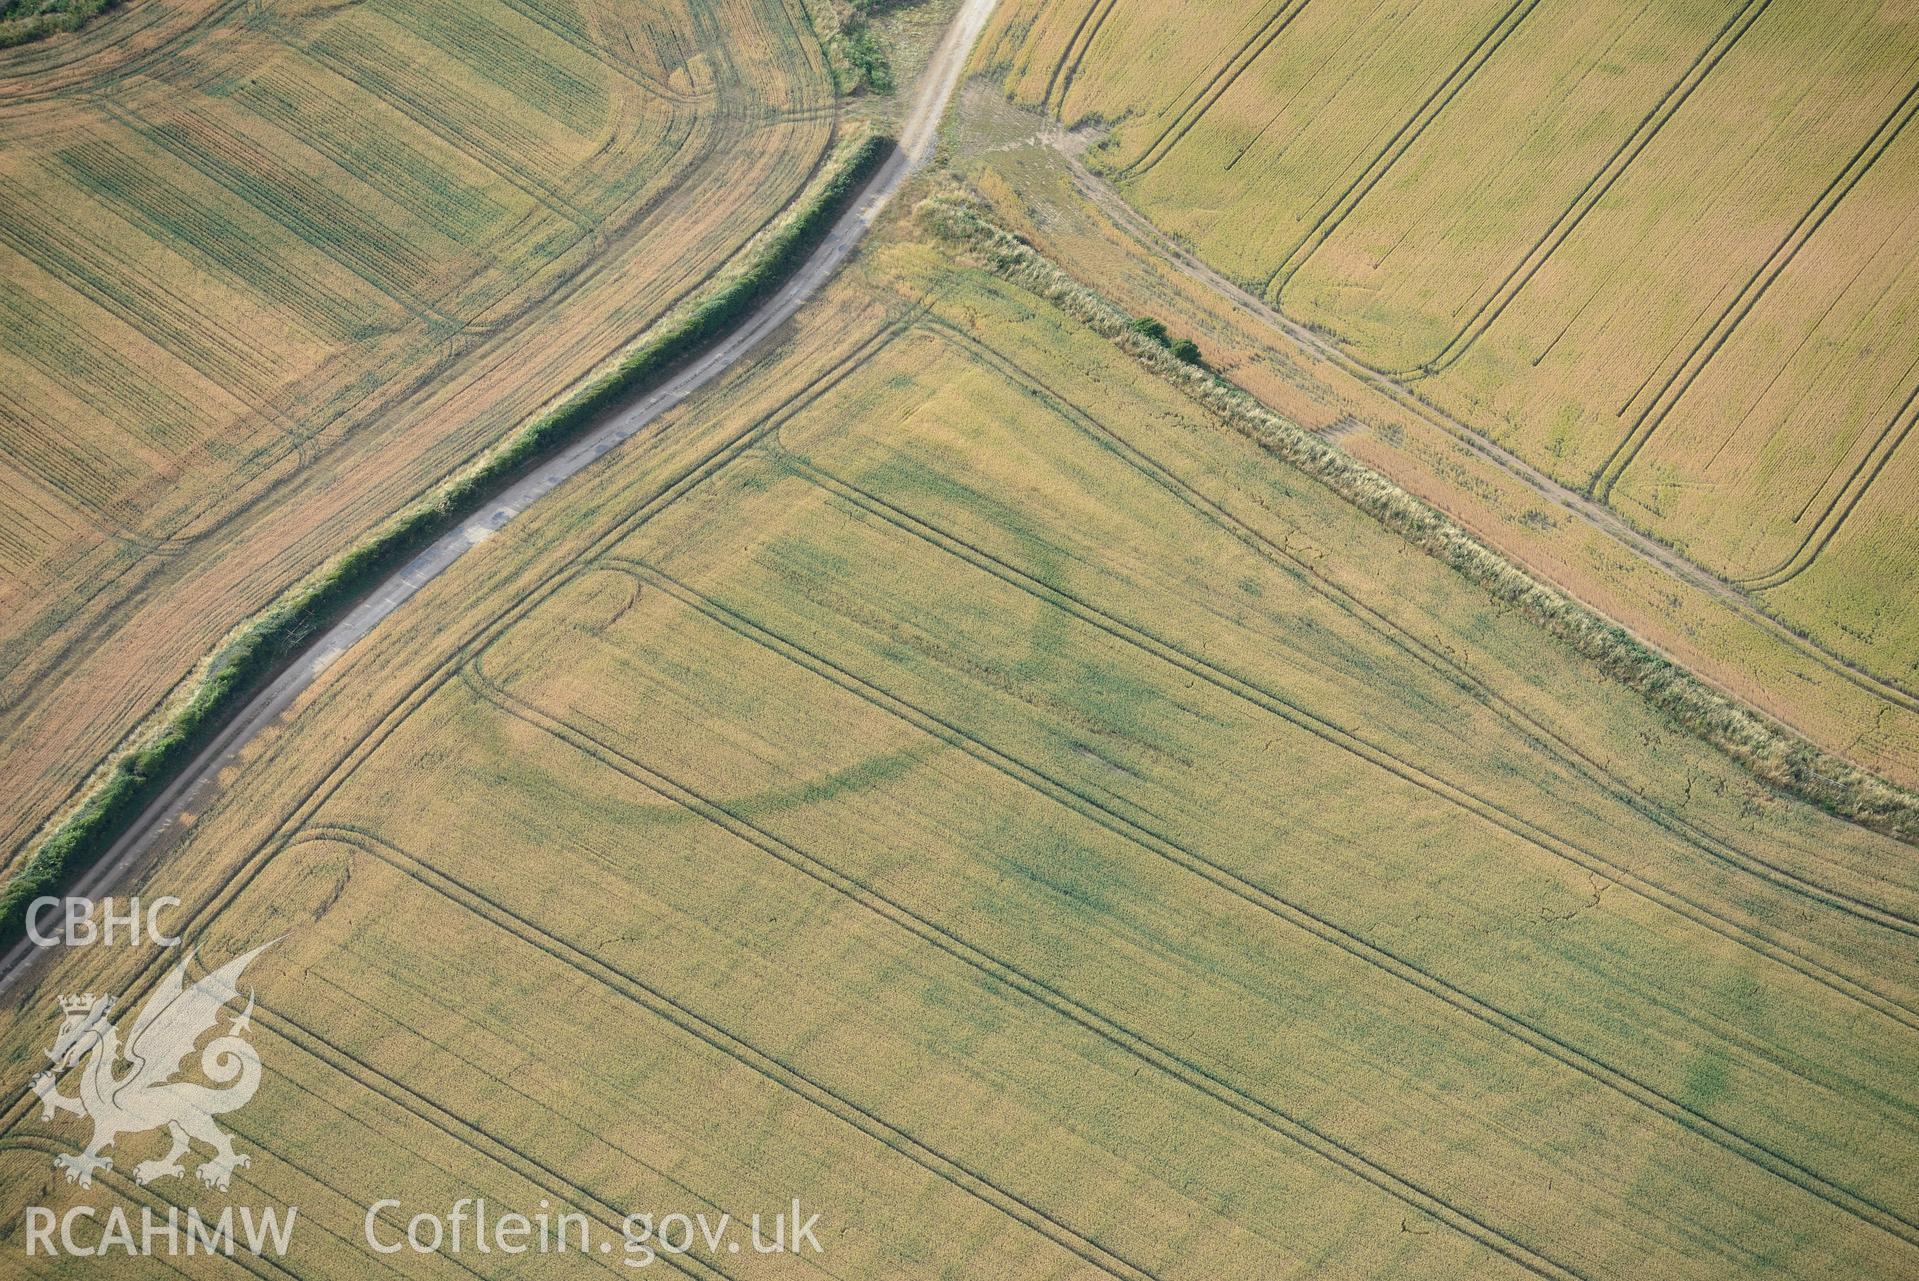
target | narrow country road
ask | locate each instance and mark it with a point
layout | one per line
(916, 139)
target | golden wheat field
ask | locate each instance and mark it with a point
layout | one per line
(1664, 252)
(943, 776)
(269, 271)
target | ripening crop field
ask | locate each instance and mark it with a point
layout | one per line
(267, 272)
(941, 774)
(1665, 252)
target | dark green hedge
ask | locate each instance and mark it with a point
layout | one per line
(262, 649)
(24, 21)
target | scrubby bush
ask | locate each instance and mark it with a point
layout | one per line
(1147, 327)
(1151, 328)
(868, 59)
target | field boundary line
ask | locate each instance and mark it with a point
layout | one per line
(1539, 735)
(292, 831)
(1758, 742)
(681, 483)
(774, 275)
(356, 753)
(1764, 1157)
(1489, 812)
(793, 256)
(1606, 520)
(269, 484)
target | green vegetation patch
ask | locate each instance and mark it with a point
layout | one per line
(22, 21)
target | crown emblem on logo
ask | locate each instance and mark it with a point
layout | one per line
(128, 1089)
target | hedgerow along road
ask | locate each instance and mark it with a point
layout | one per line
(916, 137)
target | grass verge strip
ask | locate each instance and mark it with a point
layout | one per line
(1767, 749)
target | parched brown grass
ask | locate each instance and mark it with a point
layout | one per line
(268, 272)
(1663, 252)
(943, 774)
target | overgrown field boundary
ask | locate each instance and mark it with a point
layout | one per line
(251, 654)
(1767, 749)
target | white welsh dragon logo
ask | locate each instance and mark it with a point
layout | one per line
(144, 1095)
